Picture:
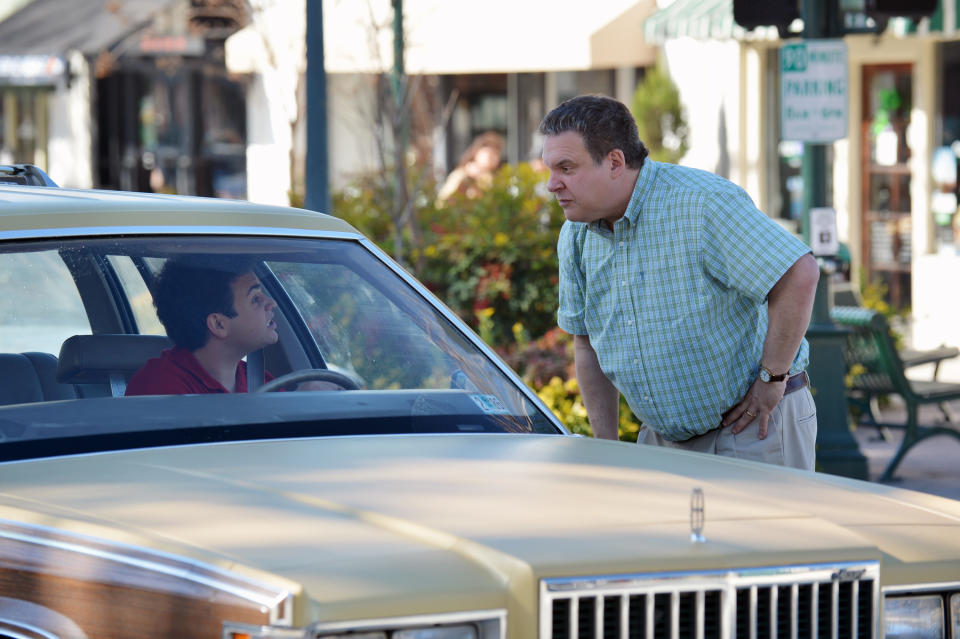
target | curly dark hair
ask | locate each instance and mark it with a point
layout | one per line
(605, 124)
(185, 294)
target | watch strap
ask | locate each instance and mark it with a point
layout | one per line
(774, 378)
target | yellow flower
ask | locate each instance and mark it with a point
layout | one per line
(501, 239)
(430, 251)
(485, 313)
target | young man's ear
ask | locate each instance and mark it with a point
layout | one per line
(217, 325)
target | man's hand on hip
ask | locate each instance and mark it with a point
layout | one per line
(757, 405)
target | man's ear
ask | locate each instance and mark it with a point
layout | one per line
(617, 162)
(217, 325)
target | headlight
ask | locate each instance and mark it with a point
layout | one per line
(450, 632)
(466, 625)
(955, 614)
(443, 632)
(919, 617)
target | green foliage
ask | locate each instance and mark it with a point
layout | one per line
(563, 398)
(873, 295)
(366, 203)
(659, 114)
(890, 103)
(492, 259)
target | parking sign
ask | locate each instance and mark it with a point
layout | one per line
(813, 91)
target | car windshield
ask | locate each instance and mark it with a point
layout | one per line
(78, 320)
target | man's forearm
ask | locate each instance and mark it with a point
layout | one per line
(600, 397)
(790, 303)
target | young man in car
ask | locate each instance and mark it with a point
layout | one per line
(216, 315)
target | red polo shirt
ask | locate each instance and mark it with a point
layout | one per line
(177, 372)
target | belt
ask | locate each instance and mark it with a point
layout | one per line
(796, 382)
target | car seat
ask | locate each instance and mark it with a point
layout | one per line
(100, 365)
(31, 377)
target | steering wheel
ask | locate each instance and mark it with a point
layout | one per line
(309, 374)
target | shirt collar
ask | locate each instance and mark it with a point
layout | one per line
(188, 361)
(640, 190)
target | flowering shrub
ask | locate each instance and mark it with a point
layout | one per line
(564, 399)
(493, 258)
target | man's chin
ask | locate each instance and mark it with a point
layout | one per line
(576, 215)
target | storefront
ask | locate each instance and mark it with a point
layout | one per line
(171, 121)
(134, 98)
(26, 85)
(936, 306)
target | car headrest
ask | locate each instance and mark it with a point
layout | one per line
(95, 359)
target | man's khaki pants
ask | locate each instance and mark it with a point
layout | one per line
(790, 441)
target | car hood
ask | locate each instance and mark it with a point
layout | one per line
(350, 520)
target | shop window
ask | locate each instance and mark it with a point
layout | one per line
(885, 180)
(573, 83)
(23, 126)
(946, 158)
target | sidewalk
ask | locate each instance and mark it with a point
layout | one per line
(932, 466)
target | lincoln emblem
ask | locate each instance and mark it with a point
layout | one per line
(697, 516)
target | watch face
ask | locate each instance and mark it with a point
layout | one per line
(764, 375)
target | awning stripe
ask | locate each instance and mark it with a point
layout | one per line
(698, 19)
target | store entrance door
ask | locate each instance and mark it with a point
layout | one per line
(885, 179)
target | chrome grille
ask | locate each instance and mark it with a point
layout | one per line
(822, 601)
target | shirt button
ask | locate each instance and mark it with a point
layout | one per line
(636, 361)
(623, 282)
(646, 398)
(621, 242)
(629, 322)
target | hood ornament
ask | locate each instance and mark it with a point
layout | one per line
(697, 517)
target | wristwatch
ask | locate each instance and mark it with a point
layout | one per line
(767, 376)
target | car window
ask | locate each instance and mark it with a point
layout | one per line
(138, 295)
(40, 305)
(359, 329)
(409, 363)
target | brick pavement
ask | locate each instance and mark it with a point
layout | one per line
(932, 466)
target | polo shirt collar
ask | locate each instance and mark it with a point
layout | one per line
(188, 361)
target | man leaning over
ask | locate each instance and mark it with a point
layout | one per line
(680, 294)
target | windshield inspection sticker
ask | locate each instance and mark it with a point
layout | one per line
(490, 405)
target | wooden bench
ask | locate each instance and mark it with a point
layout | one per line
(870, 352)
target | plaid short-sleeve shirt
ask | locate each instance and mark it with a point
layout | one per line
(674, 297)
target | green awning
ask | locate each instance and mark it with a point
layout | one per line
(713, 20)
(698, 19)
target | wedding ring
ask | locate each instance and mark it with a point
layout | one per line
(750, 414)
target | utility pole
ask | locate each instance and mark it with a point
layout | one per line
(401, 131)
(318, 161)
(837, 450)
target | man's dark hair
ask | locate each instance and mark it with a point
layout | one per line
(605, 124)
(185, 294)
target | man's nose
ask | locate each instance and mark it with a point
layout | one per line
(553, 184)
(271, 303)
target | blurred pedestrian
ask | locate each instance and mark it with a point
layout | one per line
(474, 172)
(680, 294)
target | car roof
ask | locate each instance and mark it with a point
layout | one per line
(27, 211)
